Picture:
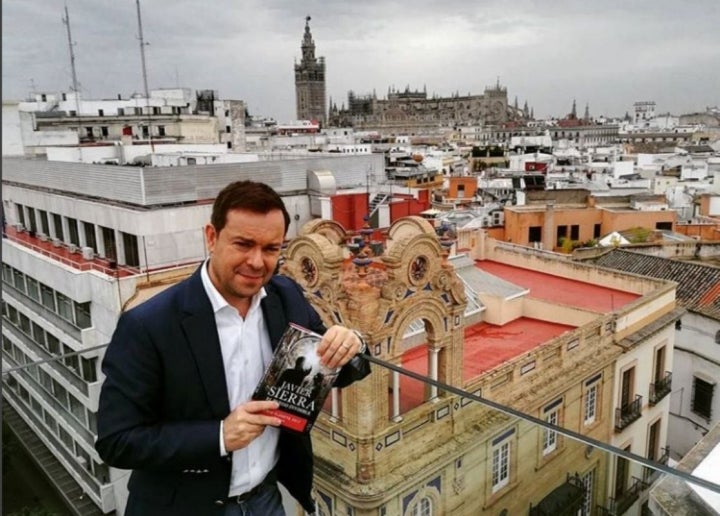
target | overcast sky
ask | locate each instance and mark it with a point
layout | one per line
(608, 53)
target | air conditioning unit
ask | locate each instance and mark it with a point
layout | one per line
(72, 248)
(43, 237)
(56, 242)
(20, 228)
(88, 253)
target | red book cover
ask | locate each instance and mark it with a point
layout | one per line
(296, 379)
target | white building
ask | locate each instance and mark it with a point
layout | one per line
(82, 242)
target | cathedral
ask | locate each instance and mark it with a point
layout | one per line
(414, 111)
(310, 81)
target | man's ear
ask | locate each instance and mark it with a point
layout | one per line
(210, 237)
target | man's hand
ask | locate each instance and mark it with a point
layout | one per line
(246, 422)
(338, 346)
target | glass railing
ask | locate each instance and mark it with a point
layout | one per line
(440, 449)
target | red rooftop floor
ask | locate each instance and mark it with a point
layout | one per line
(561, 290)
(63, 254)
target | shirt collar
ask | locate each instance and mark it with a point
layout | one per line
(217, 300)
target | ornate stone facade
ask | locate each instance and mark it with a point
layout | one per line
(391, 445)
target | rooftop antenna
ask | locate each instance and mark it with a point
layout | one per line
(66, 21)
(144, 72)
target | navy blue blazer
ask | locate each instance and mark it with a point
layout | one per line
(164, 396)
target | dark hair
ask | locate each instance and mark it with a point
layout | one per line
(246, 195)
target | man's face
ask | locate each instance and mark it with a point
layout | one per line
(244, 254)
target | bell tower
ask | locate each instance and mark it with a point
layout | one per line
(310, 81)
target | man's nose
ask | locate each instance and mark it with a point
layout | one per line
(254, 257)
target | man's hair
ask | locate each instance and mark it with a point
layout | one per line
(246, 195)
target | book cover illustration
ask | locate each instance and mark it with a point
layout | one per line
(296, 379)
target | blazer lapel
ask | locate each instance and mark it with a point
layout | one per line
(201, 331)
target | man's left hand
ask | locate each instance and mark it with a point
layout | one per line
(338, 346)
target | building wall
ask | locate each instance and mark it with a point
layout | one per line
(696, 354)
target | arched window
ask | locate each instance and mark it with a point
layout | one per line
(424, 507)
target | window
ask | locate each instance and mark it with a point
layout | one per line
(145, 131)
(104, 131)
(32, 221)
(90, 240)
(561, 235)
(588, 481)
(597, 228)
(21, 214)
(552, 416)
(19, 280)
(500, 460)
(57, 220)
(535, 234)
(89, 132)
(156, 110)
(592, 392)
(575, 232)
(44, 222)
(659, 364)
(161, 130)
(25, 324)
(101, 112)
(622, 472)
(53, 343)
(229, 145)
(627, 389)
(227, 128)
(702, 397)
(82, 315)
(65, 309)
(121, 111)
(424, 507)
(72, 361)
(65, 438)
(132, 256)
(33, 288)
(89, 369)
(653, 442)
(108, 236)
(77, 409)
(73, 231)
(48, 297)
(38, 334)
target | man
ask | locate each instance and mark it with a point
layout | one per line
(181, 368)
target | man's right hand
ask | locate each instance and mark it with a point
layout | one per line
(247, 422)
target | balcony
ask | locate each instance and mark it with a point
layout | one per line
(627, 414)
(660, 389)
(651, 475)
(565, 500)
(621, 504)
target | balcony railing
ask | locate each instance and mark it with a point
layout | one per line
(629, 413)
(651, 475)
(565, 500)
(660, 389)
(620, 505)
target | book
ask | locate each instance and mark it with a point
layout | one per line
(296, 379)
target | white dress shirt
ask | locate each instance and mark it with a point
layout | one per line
(246, 352)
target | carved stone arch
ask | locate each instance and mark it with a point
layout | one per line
(330, 229)
(313, 260)
(411, 225)
(430, 309)
(414, 259)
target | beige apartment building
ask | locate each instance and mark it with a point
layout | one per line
(524, 328)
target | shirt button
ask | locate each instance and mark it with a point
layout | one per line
(219, 502)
